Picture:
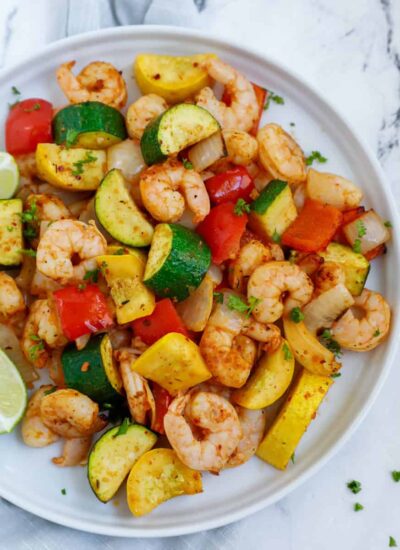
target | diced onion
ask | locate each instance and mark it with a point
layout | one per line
(89, 214)
(327, 307)
(127, 157)
(215, 274)
(206, 152)
(368, 231)
(196, 309)
(334, 190)
(9, 343)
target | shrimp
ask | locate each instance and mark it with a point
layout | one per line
(203, 429)
(242, 148)
(309, 263)
(11, 299)
(269, 334)
(142, 112)
(71, 414)
(270, 281)
(34, 432)
(75, 452)
(98, 81)
(41, 327)
(367, 332)
(162, 187)
(330, 274)
(46, 207)
(280, 155)
(65, 240)
(253, 427)
(27, 166)
(243, 110)
(250, 256)
(138, 393)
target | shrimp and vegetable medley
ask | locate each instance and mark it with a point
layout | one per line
(173, 267)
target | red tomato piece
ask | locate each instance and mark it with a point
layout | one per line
(231, 185)
(28, 123)
(162, 400)
(163, 320)
(82, 311)
(222, 230)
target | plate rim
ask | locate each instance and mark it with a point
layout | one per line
(224, 519)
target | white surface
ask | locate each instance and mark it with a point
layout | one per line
(319, 514)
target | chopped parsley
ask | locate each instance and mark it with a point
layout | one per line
(396, 475)
(9, 228)
(30, 215)
(81, 287)
(276, 237)
(123, 428)
(236, 303)
(336, 375)
(330, 343)
(119, 252)
(241, 206)
(296, 315)
(187, 164)
(78, 170)
(28, 252)
(34, 350)
(354, 486)
(34, 338)
(293, 458)
(315, 156)
(63, 491)
(361, 229)
(92, 275)
(357, 246)
(377, 333)
(388, 224)
(253, 302)
(15, 90)
(70, 137)
(392, 543)
(219, 297)
(51, 390)
(292, 124)
(272, 96)
(286, 352)
(35, 107)
(30, 232)
(358, 507)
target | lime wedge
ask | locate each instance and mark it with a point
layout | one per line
(13, 396)
(9, 175)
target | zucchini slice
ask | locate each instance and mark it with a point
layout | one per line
(355, 266)
(273, 211)
(92, 370)
(176, 129)
(178, 261)
(92, 125)
(11, 240)
(113, 456)
(118, 214)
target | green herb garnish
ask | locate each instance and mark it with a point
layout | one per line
(9, 228)
(396, 475)
(286, 352)
(92, 275)
(78, 170)
(392, 543)
(241, 206)
(292, 124)
(336, 375)
(315, 156)
(361, 229)
(34, 350)
(293, 458)
(28, 252)
(236, 303)
(30, 215)
(51, 390)
(358, 507)
(187, 164)
(123, 427)
(357, 246)
(276, 237)
(63, 491)
(219, 297)
(272, 96)
(119, 252)
(15, 90)
(330, 343)
(377, 333)
(354, 486)
(388, 223)
(35, 107)
(296, 315)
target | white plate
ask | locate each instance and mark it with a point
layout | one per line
(29, 480)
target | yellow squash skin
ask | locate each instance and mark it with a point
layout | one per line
(269, 380)
(157, 476)
(299, 409)
(174, 362)
(58, 166)
(173, 78)
(308, 351)
(124, 275)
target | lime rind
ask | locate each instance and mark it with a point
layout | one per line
(9, 175)
(13, 394)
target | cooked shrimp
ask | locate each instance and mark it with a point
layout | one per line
(98, 81)
(34, 432)
(309, 263)
(203, 429)
(367, 332)
(328, 275)
(142, 111)
(251, 255)
(41, 327)
(75, 452)
(47, 207)
(332, 189)
(138, 393)
(268, 334)
(270, 281)
(242, 148)
(11, 299)
(243, 111)
(166, 187)
(280, 155)
(65, 240)
(27, 165)
(71, 414)
(253, 426)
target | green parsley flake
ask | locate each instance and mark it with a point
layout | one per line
(15, 90)
(119, 252)
(219, 297)
(78, 170)
(354, 486)
(187, 164)
(92, 275)
(293, 458)
(276, 237)
(315, 156)
(336, 375)
(272, 96)
(296, 315)
(361, 229)
(9, 228)
(123, 427)
(358, 507)
(29, 215)
(35, 107)
(396, 475)
(357, 246)
(377, 333)
(51, 390)
(241, 206)
(28, 252)
(63, 491)
(392, 543)
(388, 224)
(34, 350)
(330, 343)
(292, 124)
(286, 352)
(236, 303)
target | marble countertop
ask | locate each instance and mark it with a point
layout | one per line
(350, 50)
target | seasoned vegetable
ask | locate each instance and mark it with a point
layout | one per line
(174, 362)
(73, 169)
(158, 476)
(113, 456)
(173, 78)
(207, 151)
(28, 123)
(162, 321)
(92, 370)
(354, 265)
(11, 241)
(178, 261)
(176, 129)
(92, 125)
(366, 232)
(269, 380)
(293, 419)
(196, 309)
(231, 185)
(323, 310)
(118, 213)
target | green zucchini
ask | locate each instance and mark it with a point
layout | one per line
(174, 130)
(118, 214)
(355, 266)
(113, 456)
(92, 370)
(177, 263)
(273, 211)
(11, 240)
(91, 125)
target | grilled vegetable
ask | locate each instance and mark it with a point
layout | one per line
(162, 321)
(354, 265)
(28, 123)
(11, 241)
(366, 232)
(196, 309)
(323, 310)
(207, 151)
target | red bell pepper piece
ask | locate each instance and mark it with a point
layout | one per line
(222, 230)
(163, 320)
(314, 227)
(82, 311)
(231, 185)
(162, 401)
(28, 123)
(261, 97)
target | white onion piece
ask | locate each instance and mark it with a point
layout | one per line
(196, 309)
(68, 197)
(375, 231)
(215, 274)
(334, 190)
(127, 157)
(89, 214)
(327, 307)
(9, 343)
(206, 152)
(187, 219)
(299, 196)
